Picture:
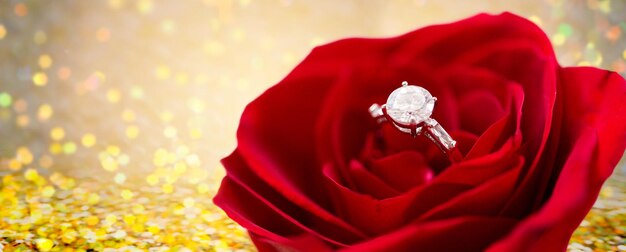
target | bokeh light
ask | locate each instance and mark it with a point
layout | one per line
(114, 113)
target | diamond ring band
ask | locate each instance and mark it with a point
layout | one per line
(409, 108)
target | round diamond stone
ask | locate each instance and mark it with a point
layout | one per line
(410, 105)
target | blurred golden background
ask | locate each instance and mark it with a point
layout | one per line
(114, 113)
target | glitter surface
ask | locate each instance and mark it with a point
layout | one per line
(114, 113)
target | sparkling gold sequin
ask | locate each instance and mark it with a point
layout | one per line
(40, 79)
(3, 31)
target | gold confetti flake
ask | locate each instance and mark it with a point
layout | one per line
(40, 79)
(55, 148)
(152, 179)
(48, 191)
(24, 155)
(119, 178)
(88, 140)
(57, 133)
(92, 220)
(114, 95)
(138, 209)
(15, 164)
(127, 194)
(167, 188)
(109, 163)
(44, 112)
(111, 219)
(189, 202)
(119, 234)
(132, 131)
(69, 236)
(202, 188)
(31, 174)
(45, 61)
(113, 150)
(93, 198)
(44, 244)
(3, 31)
(69, 148)
(154, 229)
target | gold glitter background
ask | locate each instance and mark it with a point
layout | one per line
(114, 114)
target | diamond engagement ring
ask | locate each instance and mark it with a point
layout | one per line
(409, 108)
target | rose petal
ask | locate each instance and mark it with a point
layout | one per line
(403, 171)
(482, 96)
(596, 97)
(487, 199)
(393, 141)
(468, 233)
(376, 147)
(368, 183)
(537, 81)
(479, 110)
(592, 111)
(378, 216)
(439, 44)
(476, 171)
(322, 224)
(588, 96)
(573, 196)
(370, 215)
(262, 221)
(466, 79)
(503, 130)
(457, 179)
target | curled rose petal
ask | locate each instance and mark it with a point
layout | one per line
(369, 183)
(590, 106)
(404, 170)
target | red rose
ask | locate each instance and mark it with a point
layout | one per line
(313, 172)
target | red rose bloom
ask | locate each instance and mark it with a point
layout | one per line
(313, 172)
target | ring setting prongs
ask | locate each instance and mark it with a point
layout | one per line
(408, 109)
